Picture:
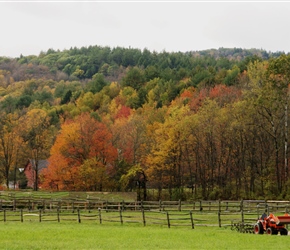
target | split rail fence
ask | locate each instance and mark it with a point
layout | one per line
(239, 215)
(101, 217)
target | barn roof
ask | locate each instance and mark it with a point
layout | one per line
(41, 163)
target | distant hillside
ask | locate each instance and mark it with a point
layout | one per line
(85, 62)
(198, 125)
(237, 53)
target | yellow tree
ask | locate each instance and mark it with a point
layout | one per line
(10, 143)
(165, 161)
(38, 135)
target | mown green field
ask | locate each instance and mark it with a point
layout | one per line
(11, 194)
(71, 235)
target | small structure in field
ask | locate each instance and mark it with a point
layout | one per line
(30, 173)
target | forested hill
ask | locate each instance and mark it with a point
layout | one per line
(198, 125)
(83, 63)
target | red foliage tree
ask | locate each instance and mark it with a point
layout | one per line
(83, 143)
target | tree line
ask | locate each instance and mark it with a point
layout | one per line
(168, 121)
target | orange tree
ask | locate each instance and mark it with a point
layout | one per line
(82, 156)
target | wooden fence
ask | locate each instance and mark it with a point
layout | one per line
(91, 204)
(171, 213)
(100, 216)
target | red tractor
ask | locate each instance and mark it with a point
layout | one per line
(272, 224)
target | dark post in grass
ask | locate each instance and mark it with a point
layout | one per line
(4, 213)
(242, 214)
(100, 215)
(241, 205)
(123, 205)
(79, 216)
(21, 215)
(121, 217)
(168, 220)
(143, 216)
(39, 215)
(219, 214)
(191, 219)
(58, 218)
(200, 205)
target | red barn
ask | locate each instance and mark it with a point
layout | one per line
(29, 171)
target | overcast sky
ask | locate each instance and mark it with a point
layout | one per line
(33, 26)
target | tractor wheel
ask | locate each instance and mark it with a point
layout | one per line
(283, 231)
(269, 231)
(258, 228)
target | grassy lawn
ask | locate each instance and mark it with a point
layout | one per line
(110, 196)
(90, 235)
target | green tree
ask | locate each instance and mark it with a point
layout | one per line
(97, 84)
(134, 78)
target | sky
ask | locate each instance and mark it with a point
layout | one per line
(30, 27)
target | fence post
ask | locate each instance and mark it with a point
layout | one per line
(219, 219)
(242, 214)
(123, 205)
(191, 219)
(160, 205)
(39, 215)
(21, 215)
(79, 216)
(179, 205)
(143, 216)
(219, 206)
(168, 220)
(121, 217)
(100, 215)
(200, 205)
(4, 213)
(58, 217)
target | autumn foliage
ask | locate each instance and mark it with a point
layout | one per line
(79, 156)
(179, 125)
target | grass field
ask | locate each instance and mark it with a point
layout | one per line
(128, 196)
(68, 235)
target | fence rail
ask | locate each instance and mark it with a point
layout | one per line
(91, 204)
(169, 213)
(100, 216)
